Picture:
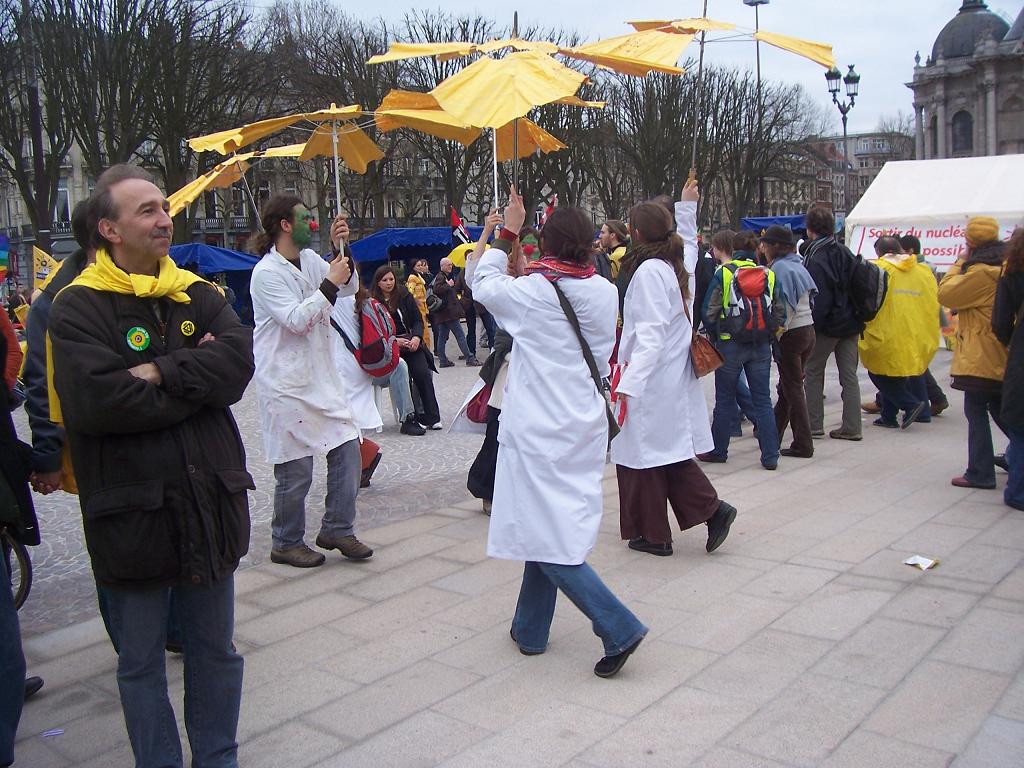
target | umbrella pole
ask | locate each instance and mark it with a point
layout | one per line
(515, 123)
(494, 163)
(337, 175)
(696, 102)
(255, 208)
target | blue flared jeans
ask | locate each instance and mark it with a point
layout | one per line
(613, 622)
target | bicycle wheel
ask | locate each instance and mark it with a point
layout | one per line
(19, 567)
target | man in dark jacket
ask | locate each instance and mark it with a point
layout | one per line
(446, 319)
(836, 328)
(147, 360)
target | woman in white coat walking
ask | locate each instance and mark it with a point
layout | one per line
(666, 421)
(554, 432)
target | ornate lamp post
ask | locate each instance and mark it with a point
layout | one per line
(852, 82)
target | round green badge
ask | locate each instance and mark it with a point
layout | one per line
(138, 338)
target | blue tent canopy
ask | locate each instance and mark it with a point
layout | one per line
(211, 259)
(759, 224)
(400, 243)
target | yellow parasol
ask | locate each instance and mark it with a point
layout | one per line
(459, 254)
(334, 127)
(225, 174)
(448, 51)
(639, 53)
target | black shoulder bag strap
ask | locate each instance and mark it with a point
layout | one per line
(570, 314)
(349, 344)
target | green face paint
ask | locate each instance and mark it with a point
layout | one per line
(304, 227)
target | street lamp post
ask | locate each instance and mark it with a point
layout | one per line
(760, 102)
(852, 82)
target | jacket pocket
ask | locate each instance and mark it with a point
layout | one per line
(130, 534)
(233, 511)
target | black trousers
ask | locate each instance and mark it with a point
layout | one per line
(481, 475)
(421, 373)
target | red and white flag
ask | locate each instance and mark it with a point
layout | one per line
(460, 235)
(547, 211)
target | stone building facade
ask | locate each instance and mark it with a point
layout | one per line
(969, 93)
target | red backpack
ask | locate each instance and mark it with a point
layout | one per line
(377, 353)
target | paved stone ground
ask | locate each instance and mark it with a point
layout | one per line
(803, 642)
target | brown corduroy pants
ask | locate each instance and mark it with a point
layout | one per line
(644, 493)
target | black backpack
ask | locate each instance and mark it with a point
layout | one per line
(869, 284)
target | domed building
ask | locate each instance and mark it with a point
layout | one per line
(969, 94)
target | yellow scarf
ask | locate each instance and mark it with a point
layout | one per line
(171, 281)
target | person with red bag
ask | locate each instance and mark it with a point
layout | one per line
(666, 418)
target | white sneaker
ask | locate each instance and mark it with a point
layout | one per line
(439, 425)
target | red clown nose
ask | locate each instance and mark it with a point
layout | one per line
(313, 226)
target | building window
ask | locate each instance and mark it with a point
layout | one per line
(238, 201)
(963, 132)
(935, 136)
(291, 190)
(391, 208)
(62, 206)
(370, 211)
(263, 193)
(428, 207)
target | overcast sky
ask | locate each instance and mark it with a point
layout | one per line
(879, 37)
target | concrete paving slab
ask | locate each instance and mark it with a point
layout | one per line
(1000, 743)
(863, 749)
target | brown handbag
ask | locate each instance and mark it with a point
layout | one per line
(703, 355)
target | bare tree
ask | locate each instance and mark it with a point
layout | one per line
(35, 172)
(898, 130)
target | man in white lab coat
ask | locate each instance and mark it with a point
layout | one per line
(304, 408)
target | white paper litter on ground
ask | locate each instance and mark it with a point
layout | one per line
(920, 562)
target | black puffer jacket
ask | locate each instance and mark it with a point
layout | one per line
(160, 469)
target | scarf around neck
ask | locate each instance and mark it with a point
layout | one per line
(170, 282)
(553, 269)
(794, 279)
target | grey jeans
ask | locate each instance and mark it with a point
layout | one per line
(401, 394)
(293, 481)
(847, 357)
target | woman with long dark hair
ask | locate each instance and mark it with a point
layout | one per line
(979, 358)
(1008, 325)
(554, 431)
(666, 417)
(387, 289)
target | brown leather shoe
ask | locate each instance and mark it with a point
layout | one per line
(963, 482)
(349, 546)
(300, 556)
(870, 406)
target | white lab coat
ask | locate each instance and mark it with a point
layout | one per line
(686, 228)
(554, 432)
(358, 383)
(667, 417)
(303, 402)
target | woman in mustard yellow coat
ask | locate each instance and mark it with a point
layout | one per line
(417, 282)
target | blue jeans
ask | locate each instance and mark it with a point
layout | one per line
(294, 478)
(490, 327)
(12, 667)
(978, 406)
(401, 393)
(613, 622)
(443, 329)
(756, 361)
(1014, 493)
(213, 673)
(901, 393)
(742, 396)
(173, 623)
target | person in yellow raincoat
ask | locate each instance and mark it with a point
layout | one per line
(897, 346)
(417, 282)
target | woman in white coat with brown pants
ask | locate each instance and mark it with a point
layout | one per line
(553, 431)
(666, 422)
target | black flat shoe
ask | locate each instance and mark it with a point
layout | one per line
(32, 686)
(794, 454)
(640, 544)
(609, 666)
(521, 649)
(719, 524)
(1000, 461)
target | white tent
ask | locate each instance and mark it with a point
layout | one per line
(933, 199)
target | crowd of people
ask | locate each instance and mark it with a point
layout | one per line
(592, 341)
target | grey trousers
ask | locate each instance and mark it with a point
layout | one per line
(847, 358)
(293, 481)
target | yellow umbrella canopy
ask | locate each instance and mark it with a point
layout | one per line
(637, 54)
(490, 93)
(532, 138)
(234, 139)
(819, 53)
(446, 51)
(459, 254)
(225, 174)
(355, 147)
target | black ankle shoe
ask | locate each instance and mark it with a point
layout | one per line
(521, 649)
(719, 524)
(609, 666)
(32, 686)
(411, 427)
(640, 544)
